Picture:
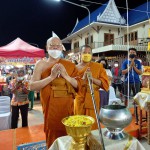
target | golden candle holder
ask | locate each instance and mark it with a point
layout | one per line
(78, 127)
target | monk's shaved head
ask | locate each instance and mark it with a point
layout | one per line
(54, 40)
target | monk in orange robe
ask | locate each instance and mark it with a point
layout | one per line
(83, 104)
(55, 80)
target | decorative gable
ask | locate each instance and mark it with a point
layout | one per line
(111, 14)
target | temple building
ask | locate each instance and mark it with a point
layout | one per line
(111, 33)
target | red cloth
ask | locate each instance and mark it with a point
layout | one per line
(1, 87)
(116, 70)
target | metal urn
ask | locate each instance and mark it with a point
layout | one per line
(115, 118)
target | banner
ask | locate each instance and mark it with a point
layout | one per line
(22, 61)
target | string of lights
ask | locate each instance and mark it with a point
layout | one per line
(116, 5)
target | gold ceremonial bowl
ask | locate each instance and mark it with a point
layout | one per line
(78, 127)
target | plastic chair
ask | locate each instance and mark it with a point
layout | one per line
(5, 113)
(112, 96)
(4, 104)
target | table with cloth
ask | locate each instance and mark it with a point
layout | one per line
(63, 143)
(143, 100)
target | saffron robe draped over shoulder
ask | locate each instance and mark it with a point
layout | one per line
(83, 104)
(57, 102)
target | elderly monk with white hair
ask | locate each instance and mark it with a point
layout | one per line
(55, 78)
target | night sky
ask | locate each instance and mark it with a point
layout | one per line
(34, 20)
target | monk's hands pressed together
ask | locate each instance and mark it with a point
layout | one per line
(63, 71)
(86, 74)
(64, 74)
(55, 71)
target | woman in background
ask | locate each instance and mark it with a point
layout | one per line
(104, 95)
(19, 101)
(107, 68)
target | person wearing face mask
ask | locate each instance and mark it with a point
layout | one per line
(83, 102)
(108, 72)
(116, 79)
(132, 70)
(19, 101)
(55, 79)
(104, 95)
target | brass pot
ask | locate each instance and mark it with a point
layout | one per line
(78, 133)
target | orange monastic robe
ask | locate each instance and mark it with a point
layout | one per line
(57, 102)
(83, 104)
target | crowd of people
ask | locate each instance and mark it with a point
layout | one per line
(64, 86)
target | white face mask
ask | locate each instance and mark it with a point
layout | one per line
(20, 78)
(116, 65)
(55, 53)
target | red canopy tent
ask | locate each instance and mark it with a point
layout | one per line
(19, 48)
(20, 51)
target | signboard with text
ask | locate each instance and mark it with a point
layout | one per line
(17, 60)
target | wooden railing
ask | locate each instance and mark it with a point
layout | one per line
(117, 41)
